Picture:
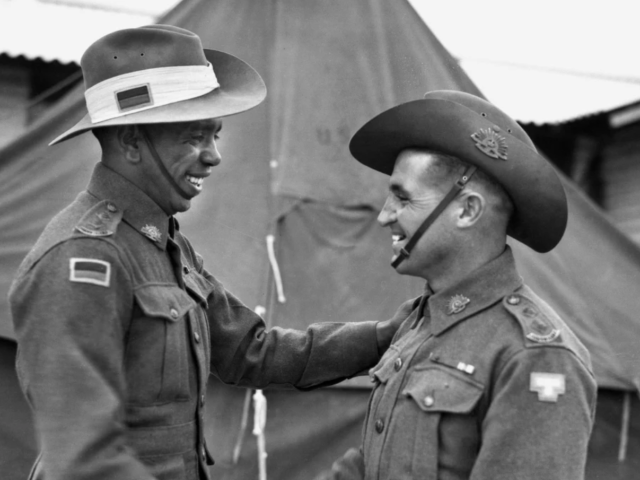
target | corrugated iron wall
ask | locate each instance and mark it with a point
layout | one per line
(620, 174)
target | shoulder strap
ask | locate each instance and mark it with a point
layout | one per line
(101, 220)
(538, 327)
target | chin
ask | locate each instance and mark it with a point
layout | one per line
(402, 268)
(181, 207)
(405, 268)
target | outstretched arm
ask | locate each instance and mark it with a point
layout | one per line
(244, 352)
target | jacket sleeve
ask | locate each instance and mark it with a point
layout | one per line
(349, 467)
(540, 418)
(70, 328)
(244, 352)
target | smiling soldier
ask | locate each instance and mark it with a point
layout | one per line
(483, 380)
(118, 322)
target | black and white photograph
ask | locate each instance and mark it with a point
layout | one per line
(319, 240)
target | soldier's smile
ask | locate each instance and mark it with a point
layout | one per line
(398, 241)
(195, 181)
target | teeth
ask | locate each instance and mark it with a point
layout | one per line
(196, 181)
(397, 238)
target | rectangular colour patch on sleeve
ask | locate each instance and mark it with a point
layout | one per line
(90, 270)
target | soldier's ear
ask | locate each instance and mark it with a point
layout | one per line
(128, 139)
(471, 206)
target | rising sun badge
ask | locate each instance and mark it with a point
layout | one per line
(490, 143)
(457, 304)
(152, 232)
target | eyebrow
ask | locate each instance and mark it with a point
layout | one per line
(398, 189)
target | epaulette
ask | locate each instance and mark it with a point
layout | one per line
(101, 220)
(538, 325)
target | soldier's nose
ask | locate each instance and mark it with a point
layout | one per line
(211, 156)
(386, 216)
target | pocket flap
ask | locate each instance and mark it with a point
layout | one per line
(385, 368)
(165, 301)
(436, 389)
(199, 286)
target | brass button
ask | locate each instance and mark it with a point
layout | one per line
(513, 299)
(379, 426)
(112, 208)
(429, 401)
(203, 453)
(174, 313)
(196, 337)
(398, 364)
(185, 269)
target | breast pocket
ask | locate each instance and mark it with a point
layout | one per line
(445, 419)
(439, 389)
(201, 289)
(387, 366)
(157, 353)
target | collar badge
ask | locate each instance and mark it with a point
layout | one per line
(457, 304)
(152, 232)
(490, 143)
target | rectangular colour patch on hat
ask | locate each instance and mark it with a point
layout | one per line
(90, 270)
(134, 97)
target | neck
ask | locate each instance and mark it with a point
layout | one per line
(121, 167)
(463, 261)
(132, 175)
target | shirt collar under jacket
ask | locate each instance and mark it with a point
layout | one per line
(483, 288)
(139, 210)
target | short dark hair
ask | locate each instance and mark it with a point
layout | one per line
(101, 134)
(452, 168)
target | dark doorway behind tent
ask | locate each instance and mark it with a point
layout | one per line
(288, 195)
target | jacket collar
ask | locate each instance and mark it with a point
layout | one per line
(139, 210)
(482, 288)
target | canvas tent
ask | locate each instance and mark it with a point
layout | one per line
(287, 175)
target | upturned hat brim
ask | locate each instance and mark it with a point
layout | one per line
(241, 88)
(540, 216)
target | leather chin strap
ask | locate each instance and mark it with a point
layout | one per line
(457, 188)
(163, 169)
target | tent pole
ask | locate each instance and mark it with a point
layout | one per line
(276, 269)
(243, 426)
(624, 429)
(259, 422)
(237, 449)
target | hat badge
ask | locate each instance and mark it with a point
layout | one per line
(152, 232)
(490, 143)
(457, 303)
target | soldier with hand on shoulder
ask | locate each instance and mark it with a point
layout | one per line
(118, 322)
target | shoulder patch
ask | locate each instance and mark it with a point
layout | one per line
(101, 220)
(90, 270)
(548, 386)
(537, 326)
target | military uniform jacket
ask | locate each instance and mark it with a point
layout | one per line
(118, 327)
(483, 381)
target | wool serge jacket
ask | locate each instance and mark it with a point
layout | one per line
(482, 381)
(119, 325)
